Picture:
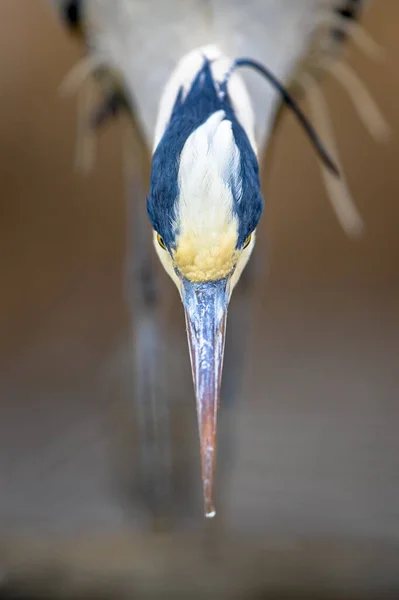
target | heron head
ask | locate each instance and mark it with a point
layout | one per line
(204, 206)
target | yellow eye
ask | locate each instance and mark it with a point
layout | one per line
(161, 242)
(247, 242)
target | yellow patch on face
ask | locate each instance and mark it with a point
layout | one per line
(208, 258)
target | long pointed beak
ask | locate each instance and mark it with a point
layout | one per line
(205, 306)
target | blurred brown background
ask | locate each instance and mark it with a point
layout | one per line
(316, 427)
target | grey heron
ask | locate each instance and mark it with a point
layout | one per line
(176, 66)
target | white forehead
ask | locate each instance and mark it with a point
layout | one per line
(209, 178)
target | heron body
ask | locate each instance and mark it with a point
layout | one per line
(144, 41)
(172, 59)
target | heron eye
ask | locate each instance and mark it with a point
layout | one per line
(247, 242)
(161, 242)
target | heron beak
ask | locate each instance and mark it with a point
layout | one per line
(205, 306)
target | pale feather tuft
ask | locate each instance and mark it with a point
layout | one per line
(365, 105)
(337, 188)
